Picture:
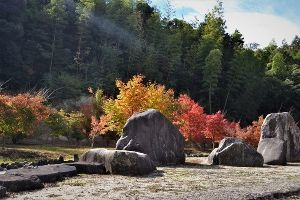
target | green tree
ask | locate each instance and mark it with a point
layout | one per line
(56, 11)
(211, 72)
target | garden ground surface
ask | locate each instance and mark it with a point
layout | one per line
(194, 180)
(13, 153)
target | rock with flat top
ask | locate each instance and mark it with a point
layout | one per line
(46, 173)
(16, 183)
(120, 161)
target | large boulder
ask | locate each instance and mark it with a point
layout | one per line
(46, 173)
(234, 152)
(16, 183)
(273, 151)
(150, 132)
(283, 127)
(120, 161)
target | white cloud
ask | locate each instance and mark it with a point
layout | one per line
(255, 27)
(261, 28)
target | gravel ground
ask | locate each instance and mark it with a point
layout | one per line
(194, 180)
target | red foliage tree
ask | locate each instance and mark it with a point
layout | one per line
(217, 127)
(196, 126)
(190, 118)
(251, 134)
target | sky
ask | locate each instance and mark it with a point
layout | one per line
(259, 21)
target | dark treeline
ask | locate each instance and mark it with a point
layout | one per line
(69, 45)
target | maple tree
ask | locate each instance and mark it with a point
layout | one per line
(196, 126)
(251, 134)
(21, 113)
(190, 119)
(134, 96)
(217, 127)
(99, 127)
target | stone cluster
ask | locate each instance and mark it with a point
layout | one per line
(149, 140)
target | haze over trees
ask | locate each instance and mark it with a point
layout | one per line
(70, 45)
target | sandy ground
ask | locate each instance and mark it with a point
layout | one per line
(194, 180)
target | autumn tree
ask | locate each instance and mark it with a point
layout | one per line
(218, 127)
(196, 126)
(251, 134)
(21, 113)
(99, 127)
(134, 96)
(191, 119)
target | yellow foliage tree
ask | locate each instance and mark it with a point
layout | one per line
(134, 96)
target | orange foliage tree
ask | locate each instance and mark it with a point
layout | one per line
(135, 96)
(99, 127)
(21, 113)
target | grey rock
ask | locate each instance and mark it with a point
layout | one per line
(234, 152)
(150, 132)
(46, 173)
(63, 138)
(273, 151)
(16, 183)
(282, 126)
(2, 192)
(120, 161)
(89, 168)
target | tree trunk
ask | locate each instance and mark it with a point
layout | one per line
(227, 96)
(52, 50)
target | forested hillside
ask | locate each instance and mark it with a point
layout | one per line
(70, 45)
